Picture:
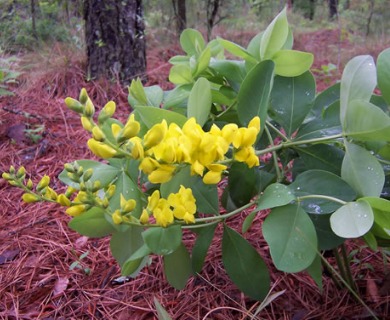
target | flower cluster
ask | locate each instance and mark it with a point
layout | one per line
(165, 147)
(179, 206)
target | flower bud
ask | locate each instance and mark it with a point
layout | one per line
(74, 105)
(110, 191)
(98, 134)
(29, 184)
(80, 171)
(89, 110)
(155, 134)
(87, 174)
(69, 191)
(116, 129)
(7, 176)
(101, 149)
(83, 187)
(51, 194)
(69, 167)
(116, 217)
(21, 173)
(30, 198)
(83, 96)
(63, 200)
(96, 186)
(43, 183)
(107, 112)
(73, 176)
(144, 218)
(87, 124)
(11, 169)
(77, 210)
(127, 205)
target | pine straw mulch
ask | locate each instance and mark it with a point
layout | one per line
(37, 248)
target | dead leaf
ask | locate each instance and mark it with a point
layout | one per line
(81, 242)
(17, 132)
(8, 255)
(60, 285)
(372, 290)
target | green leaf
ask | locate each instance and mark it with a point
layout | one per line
(325, 99)
(324, 125)
(321, 182)
(137, 94)
(124, 243)
(357, 82)
(242, 183)
(275, 195)
(203, 61)
(362, 171)
(237, 50)
(381, 210)
(248, 221)
(201, 246)
(199, 101)
(177, 97)
(292, 63)
(101, 172)
(92, 223)
(192, 41)
(383, 70)
(151, 116)
(275, 36)
(244, 265)
(161, 312)
(254, 94)
(291, 237)
(177, 267)
(180, 74)
(254, 46)
(352, 220)
(233, 71)
(322, 157)
(136, 261)
(327, 239)
(315, 271)
(154, 95)
(291, 100)
(366, 122)
(163, 241)
(206, 195)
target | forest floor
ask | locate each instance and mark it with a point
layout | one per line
(37, 248)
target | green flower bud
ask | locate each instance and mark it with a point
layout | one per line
(69, 191)
(98, 134)
(21, 173)
(83, 96)
(83, 186)
(80, 171)
(69, 167)
(107, 112)
(72, 176)
(88, 174)
(7, 176)
(30, 198)
(11, 169)
(89, 109)
(29, 184)
(96, 186)
(43, 183)
(74, 105)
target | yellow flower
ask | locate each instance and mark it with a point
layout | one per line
(155, 134)
(29, 198)
(255, 123)
(51, 194)
(116, 129)
(43, 183)
(76, 210)
(127, 205)
(183, 204)
(144, 218)
(131, 128)
(153, 200)
(101, 149)
(148, 165)
(248, 156)
(162, 174)
(117, 217)
(137, 150)
(197, 167)
(212, 177)
(228, 132)
(109, 109)
(163, 213)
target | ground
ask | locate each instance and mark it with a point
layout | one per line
(37, 248)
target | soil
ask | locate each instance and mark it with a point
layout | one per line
(37, 248)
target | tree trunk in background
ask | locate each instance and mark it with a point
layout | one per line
(33, 19)
(116, 44)
(332, 9)
(179, 10)
(212, 7)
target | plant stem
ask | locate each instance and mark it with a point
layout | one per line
(277, 131)
(341, 265)
(347, 267)
(320, 196)
(274, 156)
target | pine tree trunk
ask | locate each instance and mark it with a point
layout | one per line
(116, 44)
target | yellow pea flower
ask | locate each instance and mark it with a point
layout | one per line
(51, 194)
(229, 131)
(137, 150)
(98, 134)
(117, 217)
(144, 218)
(109, 109)
(162, 174)
(148, 165)
(212, 177)
(30, 198)
(127, 205)
(101, 149)
(76, 210)
(116, 129)
(155, 134)
(153, 200)
(131, 128)
(255, 123)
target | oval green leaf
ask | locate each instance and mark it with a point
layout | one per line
(177, 267)
(244, 265)
(292, 63)
(291, 237)
(352, 220)
(275, 195)
(92, 223)
(199, 101)
(383, 70)
(192, 41)
(163, 241)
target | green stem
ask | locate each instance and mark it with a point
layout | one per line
(297, 143)
(320, 196)
(277, 131)
(274, 156)
(353, 292)
(340, 265)
(347, 267)
(226, 110)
